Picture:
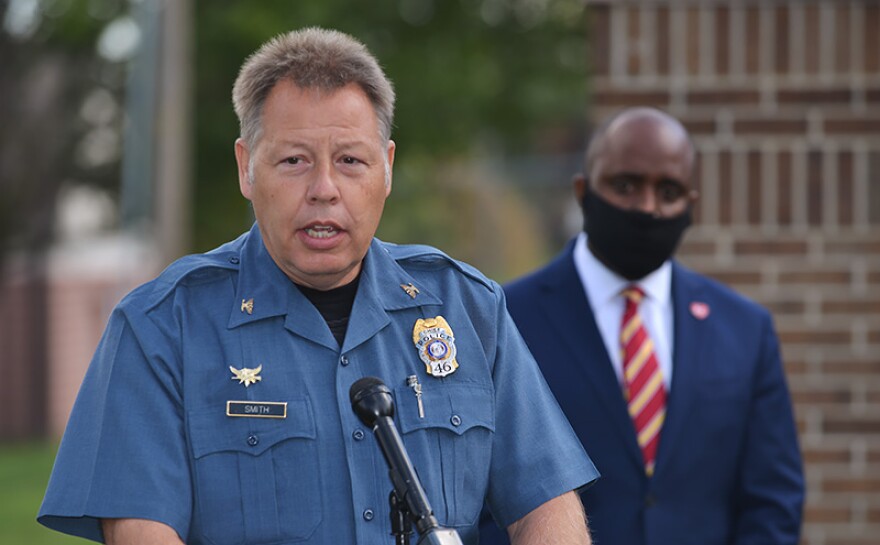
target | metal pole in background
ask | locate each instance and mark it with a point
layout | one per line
(138, 158)
(156, 181)
(174, 132)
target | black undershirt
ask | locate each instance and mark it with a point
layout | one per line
(334, 305)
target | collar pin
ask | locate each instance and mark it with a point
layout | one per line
(410, 290)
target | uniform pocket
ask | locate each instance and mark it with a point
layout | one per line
(256, 479)
(451, 446)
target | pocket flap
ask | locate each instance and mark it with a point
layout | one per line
(211, 430)
(456, 407)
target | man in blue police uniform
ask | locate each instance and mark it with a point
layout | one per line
(673, 382)
(216, 409)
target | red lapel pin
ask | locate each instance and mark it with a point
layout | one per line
(700, 310)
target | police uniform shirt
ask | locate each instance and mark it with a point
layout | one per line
(218, 403)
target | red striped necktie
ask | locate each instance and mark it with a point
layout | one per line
(644, 389)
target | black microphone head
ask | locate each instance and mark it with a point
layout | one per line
(370, 399)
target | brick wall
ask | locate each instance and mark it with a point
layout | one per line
(783, 101)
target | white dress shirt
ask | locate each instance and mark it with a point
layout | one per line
(604, 287)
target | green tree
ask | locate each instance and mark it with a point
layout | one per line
(472, 77)
(49, 70)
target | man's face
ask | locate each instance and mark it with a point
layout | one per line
(645, 165)
(319, 184)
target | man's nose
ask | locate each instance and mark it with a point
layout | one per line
(323, 187)
(648, 202)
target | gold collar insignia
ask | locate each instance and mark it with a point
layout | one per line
(410, 290)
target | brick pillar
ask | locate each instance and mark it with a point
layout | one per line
(23, 353)
(783, 101)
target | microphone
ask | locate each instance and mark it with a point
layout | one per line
(371, 401)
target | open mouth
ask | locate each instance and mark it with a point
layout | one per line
(321, 231)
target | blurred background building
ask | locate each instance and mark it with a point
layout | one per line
(116, 157)
(783, 100)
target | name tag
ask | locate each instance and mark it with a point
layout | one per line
(256, 409)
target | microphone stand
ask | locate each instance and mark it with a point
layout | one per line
(401, 525)
(372, 402)
(408, 491)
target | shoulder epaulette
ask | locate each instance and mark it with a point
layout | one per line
(423, 256)
(191, 269)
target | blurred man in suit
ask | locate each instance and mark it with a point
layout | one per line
(672, 381)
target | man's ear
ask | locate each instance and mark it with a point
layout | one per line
(579, 183)
(242, 158)
(390, 151)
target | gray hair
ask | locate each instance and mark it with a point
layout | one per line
(312, 58)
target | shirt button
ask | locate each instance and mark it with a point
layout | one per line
(253, 440)
(358, 435)
(368, 515)
(456, 420)
(233, 260)
(650, 501)
(343, 360)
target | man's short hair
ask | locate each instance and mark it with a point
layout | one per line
(597, 140)
(312, 58)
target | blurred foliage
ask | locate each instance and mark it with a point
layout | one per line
(472, 77)
(49, 69)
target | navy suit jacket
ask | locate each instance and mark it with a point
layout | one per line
(728, 468)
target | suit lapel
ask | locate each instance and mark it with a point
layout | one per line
(567, 309)
(689, 350)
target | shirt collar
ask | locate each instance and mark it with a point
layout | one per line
(264, 291)
(385, 281)
(603, 285)
(385, 286)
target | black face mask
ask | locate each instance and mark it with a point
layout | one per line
(631, 243)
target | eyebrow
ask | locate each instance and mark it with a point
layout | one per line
(673, 181)
(284, 145)
(627, 175)
(638, 177)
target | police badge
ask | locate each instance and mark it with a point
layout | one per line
(436, 345)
